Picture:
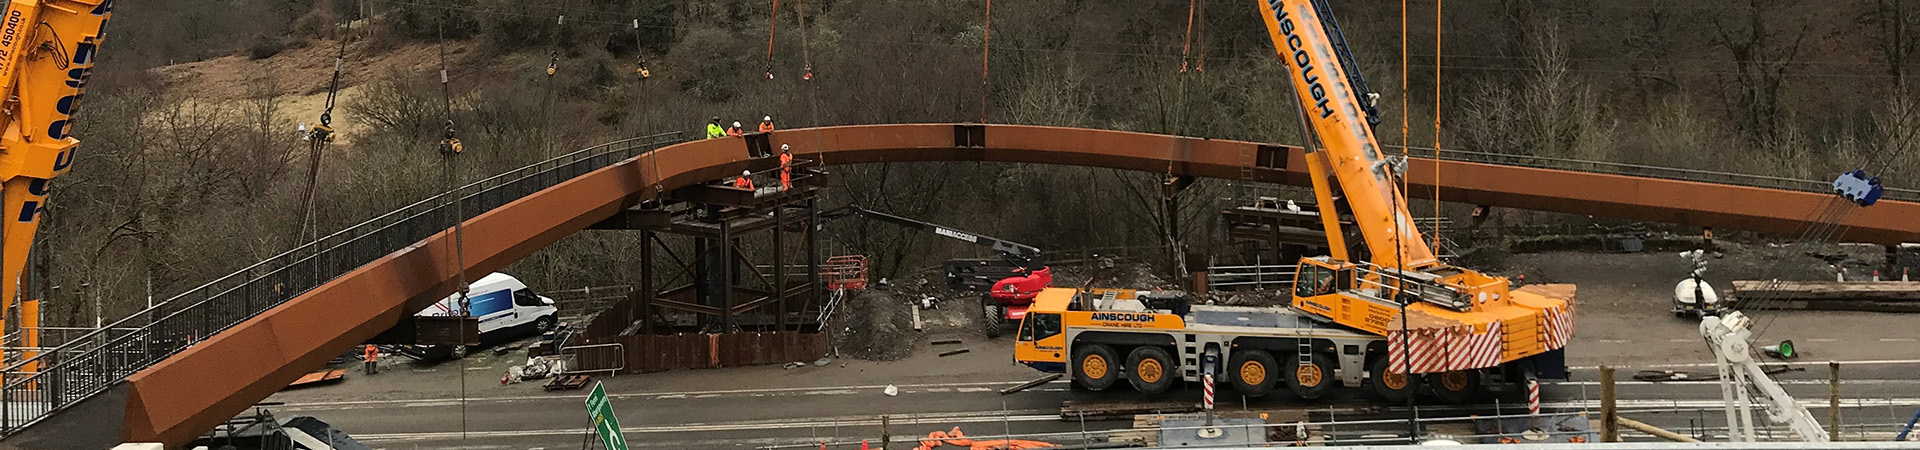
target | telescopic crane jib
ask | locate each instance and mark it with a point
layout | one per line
(47, 49)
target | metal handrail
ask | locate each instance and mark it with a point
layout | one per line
(1673, 173)
(83, 366)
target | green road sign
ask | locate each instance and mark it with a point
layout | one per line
(603, 421)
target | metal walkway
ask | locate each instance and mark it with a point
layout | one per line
(248, 334)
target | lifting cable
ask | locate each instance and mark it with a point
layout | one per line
(1405, 112)
(773, 22)
(1436, 125)
(546, 100)
(317, 140)
(986, 51)
(450, 148)
(813, 92)
(1186, 49)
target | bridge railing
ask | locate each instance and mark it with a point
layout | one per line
(1671, 173)
(89, 364)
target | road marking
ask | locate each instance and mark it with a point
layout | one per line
(986, 386)
(1896, 340)
(1870, 362)
(1682, 340)
(1823, 340)
(1614, 341)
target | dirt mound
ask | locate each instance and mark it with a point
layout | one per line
(875, 325)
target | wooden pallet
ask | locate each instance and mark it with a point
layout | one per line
(566, 383)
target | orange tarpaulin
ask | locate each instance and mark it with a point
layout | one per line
(957, 439)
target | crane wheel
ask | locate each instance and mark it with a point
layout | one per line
(1312, 379)
(1095, 367)
(1151, 369)
(1390, 387)
(1252, 372)
(1457, 387)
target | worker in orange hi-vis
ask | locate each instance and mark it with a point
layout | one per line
(766, 124)
(734, 130)
(743, 182)
(373, 359)
(786, 167)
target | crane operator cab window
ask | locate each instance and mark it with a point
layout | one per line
(1313, 280)
(1039, 326)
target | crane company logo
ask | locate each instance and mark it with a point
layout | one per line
(956, 234)
(9, 35)
(1301, 58)
(1122, 317)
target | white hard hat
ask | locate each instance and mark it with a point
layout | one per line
(746, 172)
(736, 124)
(767, 119)
(784, 147)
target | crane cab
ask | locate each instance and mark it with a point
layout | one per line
(1041, 344)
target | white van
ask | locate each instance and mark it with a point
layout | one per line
(502, 303)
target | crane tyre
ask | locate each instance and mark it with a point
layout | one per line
(1151, 369)
(1390, 387)
(1095, 367)
(1456, 387)
(1312, 379)
(1252, 372)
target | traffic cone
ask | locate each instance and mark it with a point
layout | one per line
(1876, 275)
(863, 444)
(1782, 350)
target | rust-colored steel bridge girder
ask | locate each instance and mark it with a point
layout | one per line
(191, 392)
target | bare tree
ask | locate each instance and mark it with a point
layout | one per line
(1762, 56)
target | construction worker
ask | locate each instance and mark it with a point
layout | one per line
(714, 130)
(743, 182)
(373, 359)
(786, 164)
(766, 124)
(734, 130)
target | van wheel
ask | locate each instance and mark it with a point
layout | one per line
(1457, 387)
(1150, 369)
(545, 324)
(1310, 380)
(458, 352)
(1389, 386)
(1094, 367)
(1252, 372)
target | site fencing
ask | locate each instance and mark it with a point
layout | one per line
(91, 363)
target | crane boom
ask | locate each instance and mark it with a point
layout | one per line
(1335, 109)
(1438, 318)
(1023, 255)
(47, 50)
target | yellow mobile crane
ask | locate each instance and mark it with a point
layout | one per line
(47, 49)
(1443, 318)
(1370, 319)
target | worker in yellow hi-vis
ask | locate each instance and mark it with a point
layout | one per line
(714, 130)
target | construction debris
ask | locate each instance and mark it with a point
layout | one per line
(946, 342)
(321, 376)
(952, 352)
